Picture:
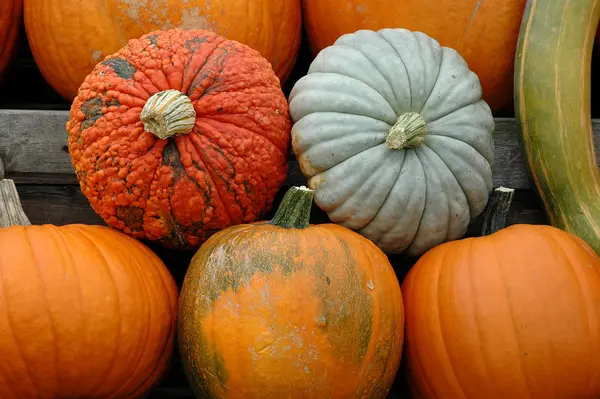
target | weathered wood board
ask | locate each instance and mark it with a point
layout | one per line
(35, 142)
(33, 147)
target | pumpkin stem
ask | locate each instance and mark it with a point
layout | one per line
(409, 131)
(294, 210)
(11, 212)
(168, 113)
(494, 218)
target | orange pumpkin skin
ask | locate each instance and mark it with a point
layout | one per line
(485, 33)
(179, 191)
(85, 312)
(512, 315)
(269, 312)
(66, 52)
(11, 12)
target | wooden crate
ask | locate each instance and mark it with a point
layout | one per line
(33, 147)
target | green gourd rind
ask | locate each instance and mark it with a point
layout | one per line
(552, 100)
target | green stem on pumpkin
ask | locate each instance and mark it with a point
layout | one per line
(409, 131)
(11, 212)
(294, 210)
(494, 218)
(168, 113)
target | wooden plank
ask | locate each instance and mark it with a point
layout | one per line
(62, 205)
(57, 205)
(35, 142)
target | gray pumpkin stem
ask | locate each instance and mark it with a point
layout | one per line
(494, 218)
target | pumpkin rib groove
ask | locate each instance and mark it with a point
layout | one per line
(204, 158)
(437, 180)
(148, 299)
(236, 90)
(164, 350)
(83, 235)
(11, 327)
(454, 110)
(465, 161)
(374, 69)
(416, 367)
(337, 73)
(337, 164)
(559, 245)
(382, 164)
(450, 173)
(173, 222)
(187, 88)
(44, 294)
(513, 323)
(440, 325)
(214, 178)
(457, 139)
(424, 198)
(51, 321)
(67, 248)
(191, 89)
(447, 188)
(152, 180)
(347, 113)
(477, 319)
(226, 182)
(244, 128)
(386, 231)
(331, 142)
(409, 84)
(437, 78)
(391, 188)
(383, 232)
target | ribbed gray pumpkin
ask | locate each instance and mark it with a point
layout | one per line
(392, 133)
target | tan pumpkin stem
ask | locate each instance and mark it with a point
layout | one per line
(168, 113)
(494, 218)
(11, 212)
(409, 131)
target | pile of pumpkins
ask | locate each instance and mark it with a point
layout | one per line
(181, 137)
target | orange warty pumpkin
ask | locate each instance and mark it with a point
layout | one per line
(85, 311)
(282, 309)
(69, 41)
(515, 314)
(180, 134)
(11, 12)
(483, 32)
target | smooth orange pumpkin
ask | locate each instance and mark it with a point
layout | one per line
(85, 311)
(514, 314)
(68, 41)
(483, 32)
(282, 309)
(11, 12)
